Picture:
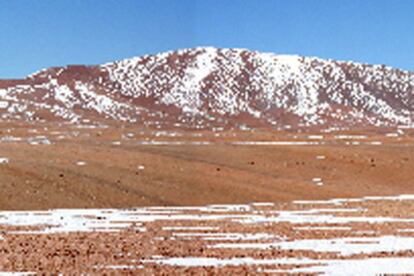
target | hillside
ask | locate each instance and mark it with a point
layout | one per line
(206, 88)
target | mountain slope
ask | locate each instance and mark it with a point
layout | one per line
(209, 87)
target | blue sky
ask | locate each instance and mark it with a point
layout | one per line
(36, 34)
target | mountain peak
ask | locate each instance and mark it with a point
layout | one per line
(206, 87)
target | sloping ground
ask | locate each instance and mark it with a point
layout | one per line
(359, 236)
(60, 167)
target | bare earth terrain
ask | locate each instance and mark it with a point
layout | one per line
(261, 190)
(208, 161)
(88, 168)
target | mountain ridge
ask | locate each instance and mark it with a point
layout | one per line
(208, 87)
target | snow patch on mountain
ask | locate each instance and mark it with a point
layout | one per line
(209, 85)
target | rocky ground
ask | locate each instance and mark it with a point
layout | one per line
(292, 227)
(359, 236)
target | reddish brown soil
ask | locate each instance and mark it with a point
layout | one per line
(47, 176)
(130, 251)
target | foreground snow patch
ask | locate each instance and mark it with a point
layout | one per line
(373, 266)
(4, 160)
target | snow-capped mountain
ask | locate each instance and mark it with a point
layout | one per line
(209, 87)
